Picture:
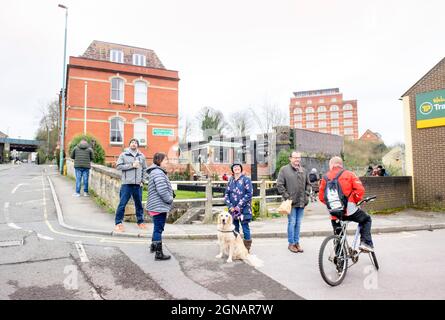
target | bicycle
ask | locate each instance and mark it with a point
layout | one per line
(334, 265)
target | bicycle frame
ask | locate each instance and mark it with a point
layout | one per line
(352, 252)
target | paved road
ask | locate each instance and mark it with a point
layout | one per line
(41, 260)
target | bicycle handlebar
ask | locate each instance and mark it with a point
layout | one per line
(367, 199)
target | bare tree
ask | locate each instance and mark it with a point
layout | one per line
(269, 116)
(185, 128)
(240, 123)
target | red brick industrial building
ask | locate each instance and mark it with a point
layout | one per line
(116, 92)
(324, 111)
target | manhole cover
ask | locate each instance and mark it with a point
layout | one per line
(11, 243)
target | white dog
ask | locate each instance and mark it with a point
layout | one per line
(231, 243)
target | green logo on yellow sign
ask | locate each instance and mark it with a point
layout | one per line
(426, 108)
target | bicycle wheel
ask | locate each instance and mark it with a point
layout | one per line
(332, 261)
(374, 260)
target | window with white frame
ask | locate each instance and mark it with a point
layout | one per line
(310, 110)
(347, 114)
(334, 108)
(322, 124)
(334, 100)
(347, 107)
(310, 116)
(321, 109)
(298, 125)
(321, 100)
(335, 131)
(298, 118)
(348, 131)
(297, 103)
(309, 125)
(139, 60)
(321, 116)
(309, 102)
(347, 123)
(140, 131)
(140, 93)
(116, 56)
(334, 124)
(117, 90)
(298, 111)
(334, 115)
(116, 130)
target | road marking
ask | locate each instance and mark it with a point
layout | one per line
(6, 205)
(81, 251)
(123, 241)
(41, 236)
(14, 226)
(18, 186)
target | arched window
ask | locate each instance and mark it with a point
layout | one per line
(116, 130)
(140, 131)
(347, 107)
(140, 93)
(310, 110)
(298, 111)
(334, 108)
(321, 109)
(117, 89)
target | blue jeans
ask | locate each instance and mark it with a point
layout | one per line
(82, 173)
(294, 223)
(158, 226)
(246, 228)
(127, 191)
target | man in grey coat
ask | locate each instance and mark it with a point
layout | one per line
(82, 155)
(133, 166)
(293, 183)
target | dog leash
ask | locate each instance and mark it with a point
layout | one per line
(236, 234)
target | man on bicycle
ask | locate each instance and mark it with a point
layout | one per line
(353, 191)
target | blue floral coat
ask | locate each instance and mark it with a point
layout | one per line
(238, 195)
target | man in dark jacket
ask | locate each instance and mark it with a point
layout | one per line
(293, 183)
(82, 155)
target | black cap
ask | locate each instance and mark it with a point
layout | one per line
(236, 164)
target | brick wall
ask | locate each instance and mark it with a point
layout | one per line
(391, 192)
(428, 144)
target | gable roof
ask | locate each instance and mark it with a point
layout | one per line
(100, 50)
(408, 92)
(368, 131)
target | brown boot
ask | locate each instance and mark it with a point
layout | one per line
(292, 248)
(299, 248)
(247, 244)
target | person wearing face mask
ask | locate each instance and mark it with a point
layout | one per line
(293, 183)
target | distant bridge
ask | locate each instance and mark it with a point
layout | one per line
(20, 144)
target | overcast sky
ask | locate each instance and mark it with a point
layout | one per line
(230, 54)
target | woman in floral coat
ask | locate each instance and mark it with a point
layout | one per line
(238, 198)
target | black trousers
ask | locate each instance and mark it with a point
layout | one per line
(364, 221)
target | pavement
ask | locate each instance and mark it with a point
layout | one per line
(84, 215)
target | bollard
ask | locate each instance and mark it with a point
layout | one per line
(263, 204)
(208, 218)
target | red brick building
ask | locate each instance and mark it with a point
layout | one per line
(368, 135)
(324, 111)
(116, 92)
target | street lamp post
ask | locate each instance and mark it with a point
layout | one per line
(62, 135)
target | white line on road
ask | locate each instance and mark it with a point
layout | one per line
(18, 186)
(6, 205)
(41, 236)
(14, 226)
(81, 251)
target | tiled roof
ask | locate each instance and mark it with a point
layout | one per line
(99, 50)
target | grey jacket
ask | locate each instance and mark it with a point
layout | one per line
(132, 175)
(160, 192)
(294, 185)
